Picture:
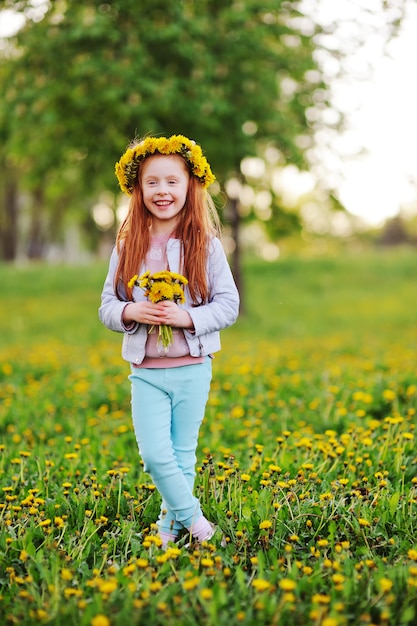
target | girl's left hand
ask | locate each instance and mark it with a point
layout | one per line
(174, 316)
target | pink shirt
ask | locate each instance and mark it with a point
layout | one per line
(178, 352)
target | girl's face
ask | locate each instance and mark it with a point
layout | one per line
(164, 181)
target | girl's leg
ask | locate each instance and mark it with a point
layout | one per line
(152, 401)
(190, 389)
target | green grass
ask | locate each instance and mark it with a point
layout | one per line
(306, 459)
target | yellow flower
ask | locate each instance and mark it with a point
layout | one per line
(158, 287)
(132, 281)
(363, 522)
(338, 579)
(287, 584)
(191, 583)
(260, 584)
(66, 574)
(100, 620)
(265, 525)
(206, 594)
(320, 598)
(46, 522)
(108, 586)
(385, 585)
(330, 621)
(389, 395)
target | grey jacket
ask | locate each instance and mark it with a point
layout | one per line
(221, 311)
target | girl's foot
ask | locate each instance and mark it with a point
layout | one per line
(167, 538)
(202, 529)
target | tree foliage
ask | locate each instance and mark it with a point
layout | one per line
(90, 75)
(82, 77)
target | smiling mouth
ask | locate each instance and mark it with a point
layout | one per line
(162, 203)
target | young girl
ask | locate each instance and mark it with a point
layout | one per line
(171, 225)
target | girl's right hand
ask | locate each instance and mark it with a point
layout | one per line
(144, 313)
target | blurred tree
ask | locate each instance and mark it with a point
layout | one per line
(84, 76)
(90, 75)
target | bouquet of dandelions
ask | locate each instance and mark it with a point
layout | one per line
(158, 287)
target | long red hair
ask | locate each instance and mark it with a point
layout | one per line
(198, 223)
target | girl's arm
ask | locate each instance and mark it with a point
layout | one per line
(112, 309)
(223, 308)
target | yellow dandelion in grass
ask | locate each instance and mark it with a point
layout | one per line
(326, 496)
(385, 584)
(245, 477)
(237, 412)
(41, 615)
(100, 620)
(265, 525)
(129, 569)
(191, 583)
(66, 574)
(260, 584)
(363, 522)
(206, 594)
(286, 584)
(23, 556)
(412, 554)
(45, 523)
(108, 586)
(332, 621)
(389, 395)
(338, 579)
(70, 592)
(321, 598)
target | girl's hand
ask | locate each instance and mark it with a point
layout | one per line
(165, 312)
(174, 316)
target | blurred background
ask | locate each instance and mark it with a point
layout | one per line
(305, 110)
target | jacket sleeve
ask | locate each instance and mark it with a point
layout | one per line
(111, 309)
(223, 308)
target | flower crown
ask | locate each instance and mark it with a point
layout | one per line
(127, 167)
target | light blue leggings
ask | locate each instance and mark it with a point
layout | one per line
(168, 407)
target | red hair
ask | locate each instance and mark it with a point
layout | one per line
(198, 223)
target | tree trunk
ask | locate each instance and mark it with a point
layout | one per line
(236, 256)
(8, 222)
(36, 242)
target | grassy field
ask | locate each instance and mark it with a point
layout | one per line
(306, 461)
